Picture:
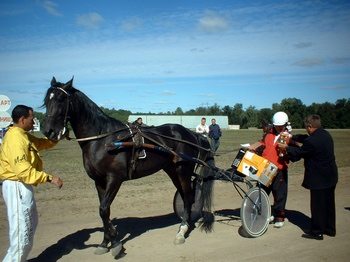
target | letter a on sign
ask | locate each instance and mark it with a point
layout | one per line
(5, 103)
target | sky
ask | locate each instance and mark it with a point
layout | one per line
(155, 56)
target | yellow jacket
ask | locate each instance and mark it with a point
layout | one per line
(20, 159)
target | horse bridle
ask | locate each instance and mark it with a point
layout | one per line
(65, 121)
(66, 117)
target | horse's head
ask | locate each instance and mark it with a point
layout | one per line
(57, 103)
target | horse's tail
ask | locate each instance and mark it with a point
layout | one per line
(207, 175)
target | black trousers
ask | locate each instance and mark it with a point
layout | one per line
(322, 203)
(279, 189)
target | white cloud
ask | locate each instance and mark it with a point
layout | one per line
(309, 62)
(168, 93)
(131, 24)
(212, 23)
(50, 7)
(90, 20)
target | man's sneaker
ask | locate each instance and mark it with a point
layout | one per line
(271, 219)
(278, 224)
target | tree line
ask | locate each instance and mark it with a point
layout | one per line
(335, 115)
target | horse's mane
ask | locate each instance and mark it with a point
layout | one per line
(83, 105)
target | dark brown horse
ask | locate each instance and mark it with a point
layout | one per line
(170, 147)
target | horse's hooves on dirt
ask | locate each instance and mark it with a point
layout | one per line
(116, 249)
(101, 251)
(179, 240)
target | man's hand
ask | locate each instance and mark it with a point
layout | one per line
(56, 180)
(282, 146)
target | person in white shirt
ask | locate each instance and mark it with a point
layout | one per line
(202, 128)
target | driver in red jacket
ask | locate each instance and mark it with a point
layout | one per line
(268, 147)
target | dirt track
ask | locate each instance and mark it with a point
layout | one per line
(70, 228)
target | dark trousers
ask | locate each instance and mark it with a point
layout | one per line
(322, 204)
(279, 189)
(215, 144)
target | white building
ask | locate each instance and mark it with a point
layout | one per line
(187, 121)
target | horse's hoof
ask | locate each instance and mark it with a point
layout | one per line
(101, 251)
(179, 240)
(116, 249)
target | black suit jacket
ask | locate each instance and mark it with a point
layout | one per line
(318, 152)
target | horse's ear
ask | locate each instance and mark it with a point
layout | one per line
(69, 84)
(53, 81)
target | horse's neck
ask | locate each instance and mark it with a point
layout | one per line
(88, 121)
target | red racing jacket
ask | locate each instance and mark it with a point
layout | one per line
(270, 151)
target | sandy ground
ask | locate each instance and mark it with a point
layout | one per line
(70, 227)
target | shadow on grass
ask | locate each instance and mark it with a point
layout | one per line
(128, 229)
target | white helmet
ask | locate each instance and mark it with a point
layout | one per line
(279, 119)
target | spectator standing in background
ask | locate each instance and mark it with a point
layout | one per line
(202, 128)
(138, 121)
(214, 135)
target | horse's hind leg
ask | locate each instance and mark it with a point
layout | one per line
(184, 173)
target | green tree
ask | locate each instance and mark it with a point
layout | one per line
(342, 112)
(178, 111)
(191, 112)
(295, 109)
(327, 113)
(237, 114)
(214, 110)
(201, 111)
(250, 118)
(265, 116)
(228, 111)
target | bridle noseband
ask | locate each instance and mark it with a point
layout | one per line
(66, 117)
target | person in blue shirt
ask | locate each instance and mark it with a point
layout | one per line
(214, 135)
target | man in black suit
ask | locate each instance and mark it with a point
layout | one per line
(320, 177)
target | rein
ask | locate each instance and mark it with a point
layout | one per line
(178, 154)
(96, 137)
(174, 139)
(66, 117)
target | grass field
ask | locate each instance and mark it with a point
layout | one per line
(66, 158)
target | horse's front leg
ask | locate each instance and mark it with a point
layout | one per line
(110, 232)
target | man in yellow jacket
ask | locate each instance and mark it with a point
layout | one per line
(21, 168)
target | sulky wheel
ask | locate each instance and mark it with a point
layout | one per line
(255, 212)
